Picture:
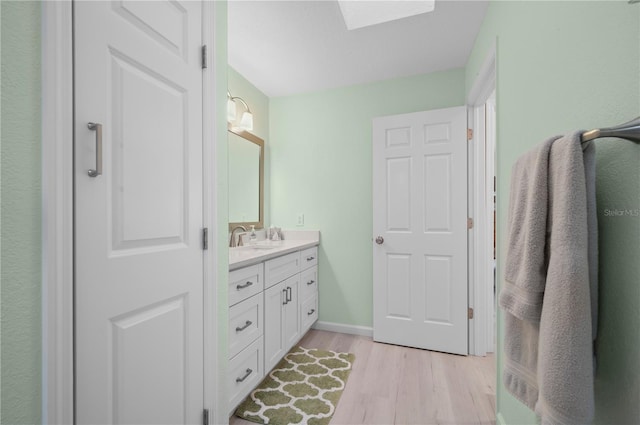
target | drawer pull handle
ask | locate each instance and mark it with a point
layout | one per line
(246, 285)
(313, 310)
(286, 298)
(310, 258)
(246, 375)
(311, 282)
(289, 294)
(246, 325)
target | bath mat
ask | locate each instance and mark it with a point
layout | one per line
(304, 388)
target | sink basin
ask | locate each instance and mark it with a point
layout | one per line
(255, 247)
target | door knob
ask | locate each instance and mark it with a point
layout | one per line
(379, 240)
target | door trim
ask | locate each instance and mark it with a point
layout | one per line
(214, 94)
(481, 326)
(57, 215)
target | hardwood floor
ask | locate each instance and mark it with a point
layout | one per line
(390, 384)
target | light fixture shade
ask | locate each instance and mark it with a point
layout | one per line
(231, 110)
(246, 123)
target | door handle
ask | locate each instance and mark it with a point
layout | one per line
(246, 285)
(246, 375)
(310, 258)
(313, 310)
(379, 240)
(98, 130)
(289, 294)
(310, 282)
(285, 297)
(246, 325)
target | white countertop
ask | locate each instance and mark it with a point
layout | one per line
(265, 249)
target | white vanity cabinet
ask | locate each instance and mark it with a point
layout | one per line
(272, 304)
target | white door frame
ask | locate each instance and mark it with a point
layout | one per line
(57, 215)
(481, 327)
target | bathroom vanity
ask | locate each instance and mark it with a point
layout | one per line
(273, 301)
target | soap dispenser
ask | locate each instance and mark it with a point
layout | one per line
(275, 234)
(252, 235)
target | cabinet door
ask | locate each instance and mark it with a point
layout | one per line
(308, 312)
(309, 257)
(245, 282)
(291, 317)
(245, 373)
(274, 346)
(245, 323)
(308, 283)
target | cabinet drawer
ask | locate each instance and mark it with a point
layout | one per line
(309, 257)
(245, 282)
(308, 313)
(280, 268)
(245, 323)
(308, 283)
(245, 373)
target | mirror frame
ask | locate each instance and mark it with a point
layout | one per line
(258, 141)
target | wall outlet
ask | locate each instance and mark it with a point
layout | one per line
(300, 221)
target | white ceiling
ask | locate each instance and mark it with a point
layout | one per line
(291, 47)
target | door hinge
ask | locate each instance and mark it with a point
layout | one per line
(205, 417)
(205, 238)
(469, 133)
(204, 56)
(470, 313)
(469, 223)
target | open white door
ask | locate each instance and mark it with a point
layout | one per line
(420, 230)
(138, 247)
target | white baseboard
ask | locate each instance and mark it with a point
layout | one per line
(344, 329)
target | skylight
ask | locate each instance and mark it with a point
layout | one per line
(364, 13)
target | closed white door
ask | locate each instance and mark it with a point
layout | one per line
(138, 248)
(420, 230)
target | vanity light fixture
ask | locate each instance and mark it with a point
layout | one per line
(246, 120)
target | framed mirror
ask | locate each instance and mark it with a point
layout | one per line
(246, 179)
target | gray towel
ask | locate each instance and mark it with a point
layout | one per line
(550, 276)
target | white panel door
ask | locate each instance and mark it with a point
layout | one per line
(420, 217)
(138, 253)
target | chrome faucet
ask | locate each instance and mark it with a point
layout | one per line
(232, 242)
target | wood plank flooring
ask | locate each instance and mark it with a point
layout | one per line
(390, 384)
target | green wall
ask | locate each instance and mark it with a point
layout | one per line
(320, 145)
(259, 104)
(21, 207)
(564, 66)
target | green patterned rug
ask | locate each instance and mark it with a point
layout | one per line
(304, 388)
